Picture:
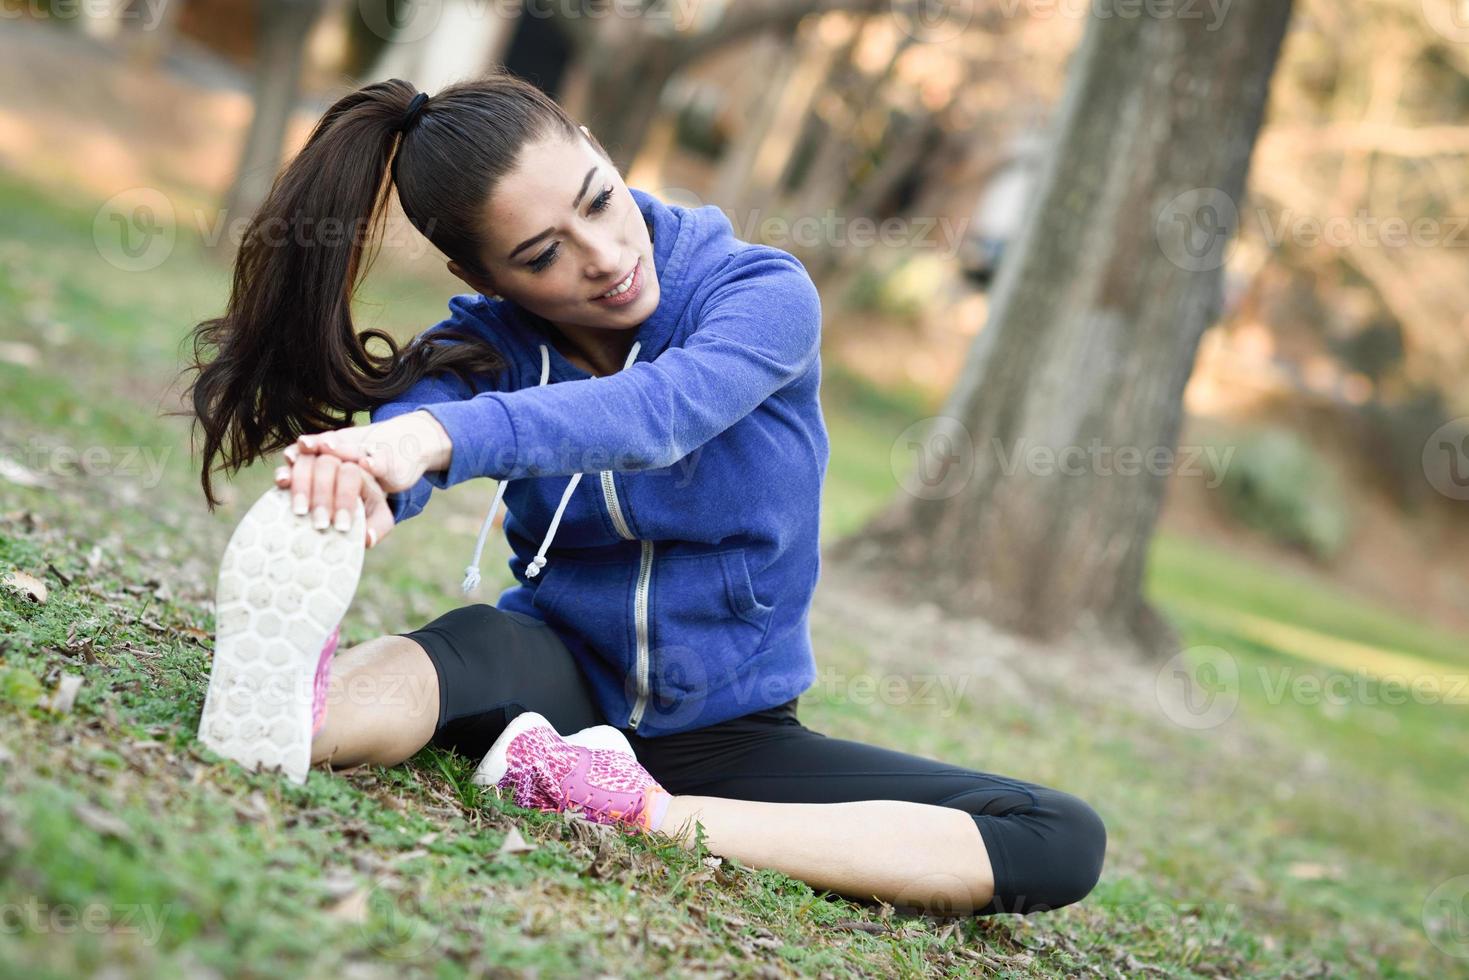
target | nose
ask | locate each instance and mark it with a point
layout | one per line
(602, 256)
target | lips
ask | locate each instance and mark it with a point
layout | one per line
(627, 295)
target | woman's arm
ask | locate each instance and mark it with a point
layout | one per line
(756, 334)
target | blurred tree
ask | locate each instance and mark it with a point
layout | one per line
(625, 62)
(1021, 509)
(282, 30)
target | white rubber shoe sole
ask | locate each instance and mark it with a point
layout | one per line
(283, 587)
(492, 769)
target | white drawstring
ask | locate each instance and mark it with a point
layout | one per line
(471, 572)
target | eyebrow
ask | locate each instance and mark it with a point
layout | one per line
(576, 203)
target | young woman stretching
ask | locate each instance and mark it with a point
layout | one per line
(643, 387)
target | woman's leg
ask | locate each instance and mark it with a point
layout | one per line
(866, 821)
(912, 855)
(456, 682)
(382, 704)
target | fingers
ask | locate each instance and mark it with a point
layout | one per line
(301, 484)
(349, 490)
(323, 490)
(345, 444)
(379, 514)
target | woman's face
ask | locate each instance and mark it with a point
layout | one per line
(562, 231)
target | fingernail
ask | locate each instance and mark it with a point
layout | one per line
(371, 537)
(308, 442)
(290, 454)
(299, 505)
(321, 519)
(344, 520)
(282, 474)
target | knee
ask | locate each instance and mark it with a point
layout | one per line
(1080, 848)
(1051, 853)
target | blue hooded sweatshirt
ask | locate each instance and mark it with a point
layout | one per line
(683, 566)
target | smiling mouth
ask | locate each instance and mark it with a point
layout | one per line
(623, 286)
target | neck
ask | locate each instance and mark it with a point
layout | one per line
(599, 350)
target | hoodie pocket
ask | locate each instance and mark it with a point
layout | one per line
(707, 621)
(592, 600)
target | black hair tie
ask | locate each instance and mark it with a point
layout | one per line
(411, 115)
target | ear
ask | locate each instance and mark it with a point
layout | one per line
(473, 282)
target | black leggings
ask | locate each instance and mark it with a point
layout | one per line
(1045, 846)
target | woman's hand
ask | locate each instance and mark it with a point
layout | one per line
(329, 471)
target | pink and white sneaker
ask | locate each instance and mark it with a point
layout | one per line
(283, 590)
(541, 770)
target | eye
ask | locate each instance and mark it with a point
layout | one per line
(603, 200)
(545, 258)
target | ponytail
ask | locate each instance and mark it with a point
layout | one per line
(285, 358)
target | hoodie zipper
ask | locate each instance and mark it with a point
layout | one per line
(640, 598)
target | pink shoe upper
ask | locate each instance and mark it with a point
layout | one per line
(604, 786)
(323, 678)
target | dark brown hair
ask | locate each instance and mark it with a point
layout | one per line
(285, 359)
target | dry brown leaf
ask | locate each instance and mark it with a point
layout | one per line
(515, 843)
(19, 354)
(21, 476)
(64, 697)
(102, 822)
(27, 585)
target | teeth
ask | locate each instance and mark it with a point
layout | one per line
(621, 287)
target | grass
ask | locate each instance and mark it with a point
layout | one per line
(1301, 834)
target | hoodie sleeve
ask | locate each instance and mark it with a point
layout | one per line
(754, 335)
(431, 390)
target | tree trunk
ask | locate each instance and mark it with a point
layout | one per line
(1038, 488)
(282, 30)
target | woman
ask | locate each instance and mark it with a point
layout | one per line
(607, 335)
